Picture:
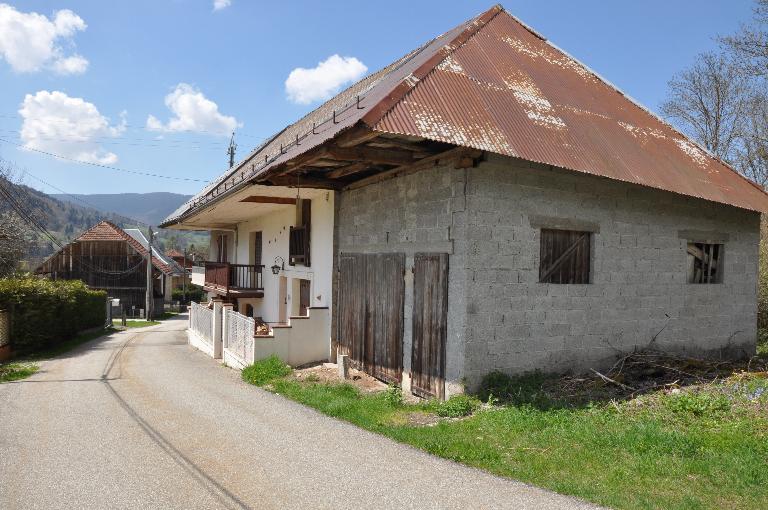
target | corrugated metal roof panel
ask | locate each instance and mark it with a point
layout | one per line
(493, 84)
(508, 91)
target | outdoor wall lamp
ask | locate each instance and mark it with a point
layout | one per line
(278, 267)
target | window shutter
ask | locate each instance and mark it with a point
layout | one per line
(564, 256)
(257, 248)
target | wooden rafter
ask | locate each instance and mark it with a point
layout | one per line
(263, 199)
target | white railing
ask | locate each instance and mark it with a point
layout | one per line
(238, 335)
(201, 321)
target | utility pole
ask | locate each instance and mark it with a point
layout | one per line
(231, 150)
(150, 287)
(184, 280)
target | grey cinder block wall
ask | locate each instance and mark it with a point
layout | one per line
(489, 219)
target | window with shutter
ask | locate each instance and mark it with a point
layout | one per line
(705, 263)
(257, 249)
(299, 236)
(564, 256)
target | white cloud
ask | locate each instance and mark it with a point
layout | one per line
(75, 64)
(67, 126)
(31, 42)
(305, 86)
(221, 4)
(193, 112)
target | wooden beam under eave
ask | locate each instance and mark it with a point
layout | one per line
(347, 170)
(371, 155)
(456, 153)
(355, 136)
(263, 199)
(291, 181)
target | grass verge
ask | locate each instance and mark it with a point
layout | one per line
(135, 324)
(698, 447)
(16, 370)
(21, 369)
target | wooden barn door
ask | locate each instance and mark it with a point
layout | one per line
(371, 299)
(430, 324)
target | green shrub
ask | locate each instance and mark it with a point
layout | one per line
(393, 396)
(518, 390)
(698, 404)
(265, 371)
(194, 293)
(762, 285)
(45, 313)
(457, 406)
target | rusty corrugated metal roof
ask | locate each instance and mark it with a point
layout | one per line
(494, 84)
(508, 91)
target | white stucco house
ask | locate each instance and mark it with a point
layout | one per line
(486, 202)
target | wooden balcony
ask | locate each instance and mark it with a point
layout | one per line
(234, 280)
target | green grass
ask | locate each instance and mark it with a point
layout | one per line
(24, 367)
(762, 342)
(699, 448)
(135, 324)
(265, 371)
(16, 370)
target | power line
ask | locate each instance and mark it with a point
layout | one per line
(108, 167)
(122, 140)
(26, 217)
(132, 126)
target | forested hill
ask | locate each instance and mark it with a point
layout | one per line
(67, 219)
(150, 208)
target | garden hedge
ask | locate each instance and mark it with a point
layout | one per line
(45, 313)
(194, 293)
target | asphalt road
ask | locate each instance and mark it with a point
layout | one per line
(140, 419)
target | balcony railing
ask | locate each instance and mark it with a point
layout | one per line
(298, 245)
(226, 277)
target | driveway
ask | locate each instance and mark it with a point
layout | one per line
(139, 419)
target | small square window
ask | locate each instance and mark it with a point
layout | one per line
(705, 262)
(564, 256)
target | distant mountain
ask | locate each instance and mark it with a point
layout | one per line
(150, 208)
(67, 216)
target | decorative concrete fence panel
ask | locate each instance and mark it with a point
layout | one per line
(238, 339)
(201, 327)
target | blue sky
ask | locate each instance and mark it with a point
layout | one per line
(88, 79)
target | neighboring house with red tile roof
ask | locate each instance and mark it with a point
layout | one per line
(179, 258)
(108, 258)
(489, 203)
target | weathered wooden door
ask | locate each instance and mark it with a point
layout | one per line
(282, 299)
(371, 299)
(303, 297)
(430, 324)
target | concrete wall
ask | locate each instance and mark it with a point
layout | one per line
(489, 218)
(638, 279)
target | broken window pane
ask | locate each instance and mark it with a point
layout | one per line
(705, 263)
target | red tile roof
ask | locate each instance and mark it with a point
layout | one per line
(108, 231)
